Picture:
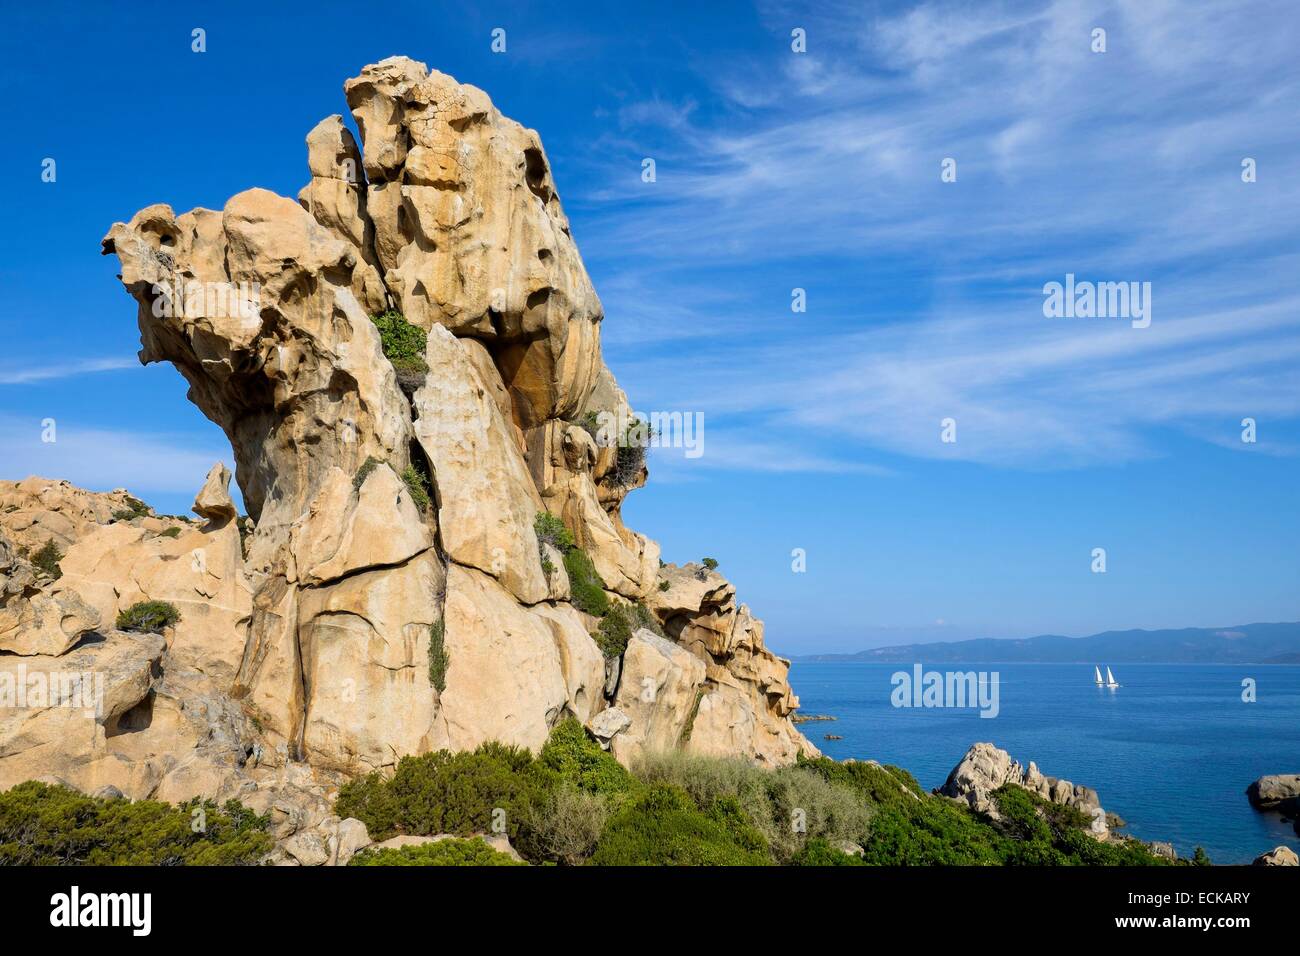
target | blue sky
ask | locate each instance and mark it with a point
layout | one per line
(776, 170)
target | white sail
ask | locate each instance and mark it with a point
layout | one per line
(1110, 679)
(1096, 670)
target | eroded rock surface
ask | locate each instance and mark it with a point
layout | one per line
(387, 593)
(985, 768)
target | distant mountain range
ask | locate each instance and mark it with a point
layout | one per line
(1242, 644)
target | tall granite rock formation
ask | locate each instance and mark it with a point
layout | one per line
(356, 624)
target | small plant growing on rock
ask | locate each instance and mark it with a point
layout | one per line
(664, 585)
(46, 560)
(551, 530)
(173, 532)
(135, 508)
(710, 563)
(586, 588)
(618, 625)
(367, 466)
(403, 345)
(631, 453)
(439, 658)
(152, 617)
(418, 485)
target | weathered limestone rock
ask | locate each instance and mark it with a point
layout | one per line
(985, 768)
(470, 234)
(35, 511)
(506, 678)
(1277, 791)
(312, 640)
(581, 662)
(364, 644)
(199, 571)
(18, 578)
(46, 624)
(659, 692)
(213, 500)
(1278, 856)
(486, 501)
(608, 724)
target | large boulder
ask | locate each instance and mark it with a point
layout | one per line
(1277, 791)
(985, 768)
(659, 692)
(1278, 856)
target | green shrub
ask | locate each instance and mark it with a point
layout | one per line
(788, 806)
(664, 585)
(439, 656)
(135, 508)
(551, 530)
(662, 826)
(42, 825)
(567, 829)
(173, 532)
(620, 622)
(367, 466)
(474, 852)
(586, 588)
(400, 340)
(577, 759)
(46, 560)
(710, 563)
(418, 484)
(151, 616)
(444, 792)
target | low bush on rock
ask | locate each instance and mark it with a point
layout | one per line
(620, 622)
(404, 346)
(586, 588)
(417, 482)
(44, 825)
(135, 508)
(367, 466)
(46, 560)
(150, 616)
(473, 852)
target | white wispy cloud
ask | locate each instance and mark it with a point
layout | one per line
(23, 374)
(102, 459)
(1123, 165)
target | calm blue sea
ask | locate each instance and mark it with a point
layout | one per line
(1172, 750)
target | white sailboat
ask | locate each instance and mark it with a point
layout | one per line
(1110, 679)
(1097, 670)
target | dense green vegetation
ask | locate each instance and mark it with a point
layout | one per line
(46, 560)
(443, 853)
(152, 616)
(403, 345)
(574, 804)
(44, 825)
